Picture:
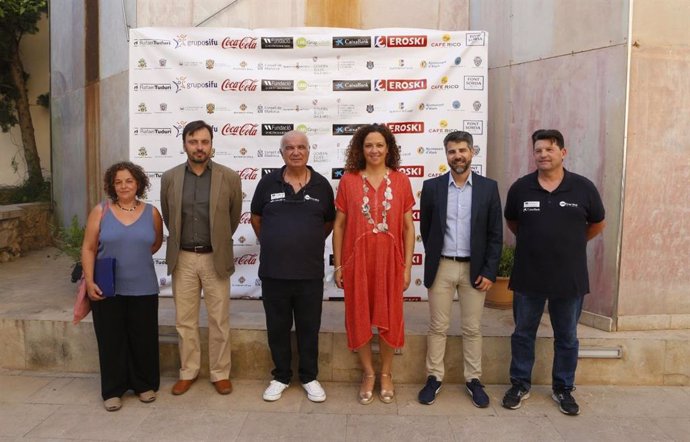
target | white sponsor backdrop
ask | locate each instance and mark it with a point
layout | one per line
(253, 85)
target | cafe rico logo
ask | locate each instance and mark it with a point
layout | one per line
(351, 85)
(410, 127)
(446, 42)
(356, 41)
(239, 43)
(277, 43)
(400, 41)
(400, 85)
(247, 129)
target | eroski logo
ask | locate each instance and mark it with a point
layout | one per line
(399, 85)
(412, 127)
(400, 41)
(412, 171)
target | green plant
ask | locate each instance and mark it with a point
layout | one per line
(69, 239)
(505, 264)
(26, 193)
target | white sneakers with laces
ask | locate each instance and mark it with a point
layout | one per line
(315, 392)
(274, 391)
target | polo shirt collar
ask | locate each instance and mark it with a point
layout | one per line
(566, 183)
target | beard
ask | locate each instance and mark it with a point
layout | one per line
(460, 167)
(198, 159)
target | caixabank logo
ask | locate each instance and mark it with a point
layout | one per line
(412, 171)
(406, 127)
(337, 173)
(355, 41)
(245, 85)
(277, 85)
(277, 43)
(400, 85)
(239, 43)
(346, 129)
(351, 85)
(276, 129)
(401, 41)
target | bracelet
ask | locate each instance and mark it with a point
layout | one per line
(337, 268)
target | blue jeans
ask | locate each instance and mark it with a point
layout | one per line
(564, 314)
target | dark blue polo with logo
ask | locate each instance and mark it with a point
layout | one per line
(551, 241)
(292, 225)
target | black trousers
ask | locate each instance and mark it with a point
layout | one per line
(284, 299)
(127, 334)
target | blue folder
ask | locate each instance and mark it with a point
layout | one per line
(104, 275)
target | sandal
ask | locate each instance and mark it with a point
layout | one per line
(366, 389)
(112, 404)
(387, 396)
(147, 396)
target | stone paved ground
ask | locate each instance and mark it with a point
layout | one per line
(66, 406)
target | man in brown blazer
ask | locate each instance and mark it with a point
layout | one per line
(201, 202)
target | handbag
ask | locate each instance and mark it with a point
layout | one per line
(104, 275)
(82, 304)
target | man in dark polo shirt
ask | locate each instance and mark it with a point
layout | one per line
(292, 214)
(553, 213)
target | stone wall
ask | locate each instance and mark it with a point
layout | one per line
(24, 227)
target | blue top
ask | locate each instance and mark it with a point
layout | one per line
(130, 245)
(456, 240)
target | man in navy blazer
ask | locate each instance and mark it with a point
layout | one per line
(462, 230)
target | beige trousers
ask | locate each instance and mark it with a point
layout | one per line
(451, 277)
(193, 272)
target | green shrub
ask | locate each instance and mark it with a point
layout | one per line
(505, 264)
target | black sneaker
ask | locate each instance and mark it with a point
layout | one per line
(427, 395)
(566, 402)
(514, 397)
(476, 391)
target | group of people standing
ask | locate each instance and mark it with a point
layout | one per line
(552, 212)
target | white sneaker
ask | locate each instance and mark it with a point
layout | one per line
(314, 391)
(274, 391)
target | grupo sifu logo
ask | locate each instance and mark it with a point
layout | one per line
(412, 171)
(181, 83)
(474, 39)
(399, 85)
(152, 87)
(277, 85)
(356, 41)
(277, 43)
(246, 85)
(276, 129)
(409, 127)
(346, 129)
(239, 43)
(475, 127)
(181, 40)
(351, 85)
(337, 173)
(247, 129)
(267, 170)
(400, 41)
(416, 259)
(474, 83)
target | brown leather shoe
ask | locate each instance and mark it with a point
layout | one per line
(182, 386)
(223, 386)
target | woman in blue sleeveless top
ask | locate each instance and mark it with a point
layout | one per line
(126, 324)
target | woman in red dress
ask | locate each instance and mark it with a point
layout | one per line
(373, 241)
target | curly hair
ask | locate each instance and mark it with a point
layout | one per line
(354, 157)
(137, 172)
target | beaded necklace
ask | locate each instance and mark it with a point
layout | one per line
(366, 210)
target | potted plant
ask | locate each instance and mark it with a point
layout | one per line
(499, 295)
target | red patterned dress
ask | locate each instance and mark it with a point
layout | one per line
(373, 264)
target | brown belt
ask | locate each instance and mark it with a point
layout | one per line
(457, 258)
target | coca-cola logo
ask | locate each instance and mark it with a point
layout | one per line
(247, 129)
(246, 259)
(249, 173)
(239, 43)
(245, 218)
(246, 85)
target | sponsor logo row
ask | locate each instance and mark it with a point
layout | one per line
(470, 83)
(341, 41)
(475, 127)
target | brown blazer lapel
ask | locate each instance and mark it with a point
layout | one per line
(216, 184)
(178, 183)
